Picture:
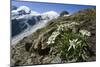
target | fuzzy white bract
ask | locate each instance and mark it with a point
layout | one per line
(85, 33)
(60, 27)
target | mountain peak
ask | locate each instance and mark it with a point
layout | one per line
(24, 8)
(51, 13)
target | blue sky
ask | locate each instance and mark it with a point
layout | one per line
(44, 7)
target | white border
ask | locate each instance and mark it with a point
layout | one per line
(5, 33)
(84, 2)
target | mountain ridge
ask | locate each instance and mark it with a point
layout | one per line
(23, 18)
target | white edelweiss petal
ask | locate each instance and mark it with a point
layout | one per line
(75, 40)
(79, 42)
(48, 42)
(74, 46)
(88, 34)
(70, 41)
(53, 42)
(69, 47)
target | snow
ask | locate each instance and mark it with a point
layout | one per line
(50, 15)
(33, 13)
(25, 8)
(14, 12)
(46, 16)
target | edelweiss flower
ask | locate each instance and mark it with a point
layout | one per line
(74, 23)
(72, 43)
(71, 25)
(60, 27)
(85, 32)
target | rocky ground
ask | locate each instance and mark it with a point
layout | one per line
(63, 40)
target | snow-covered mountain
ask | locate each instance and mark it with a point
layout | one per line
(25, 21)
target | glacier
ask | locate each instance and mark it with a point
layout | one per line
(28, 22)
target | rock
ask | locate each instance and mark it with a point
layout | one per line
(29, 61)
(44, 51)
(40, 42)
(28, 46)
(63, 13)
(57, 59)
(46, 60)
(33, 55)
(12, 62)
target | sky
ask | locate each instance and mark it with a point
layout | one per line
(45, 7)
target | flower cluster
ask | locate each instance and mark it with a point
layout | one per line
(85, 33)
(61, 27)
(70, 25)
(52, 38)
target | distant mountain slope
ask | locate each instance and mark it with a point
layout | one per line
(63, 40)
(24, 20)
